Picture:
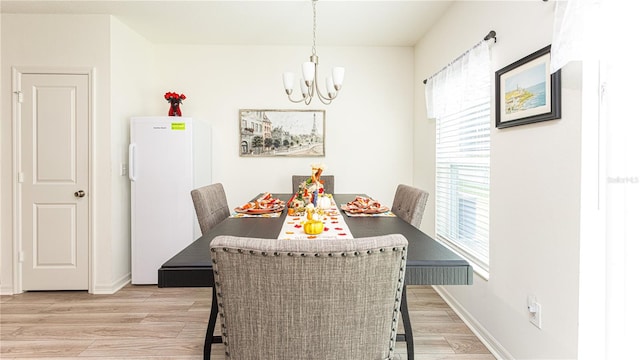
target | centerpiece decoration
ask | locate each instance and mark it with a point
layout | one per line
(313, 225)
(175, 100)
(310, 192)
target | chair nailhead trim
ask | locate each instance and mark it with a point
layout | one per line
(276, 253)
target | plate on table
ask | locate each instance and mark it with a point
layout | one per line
(364, 205)
(240, 210)
(263, 204)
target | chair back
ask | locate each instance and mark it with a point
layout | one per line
(309, 299)
(297, 179)
(409, 204)
(210, 203)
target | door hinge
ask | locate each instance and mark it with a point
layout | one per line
(21, 256)
(20, 177)
(20, 96)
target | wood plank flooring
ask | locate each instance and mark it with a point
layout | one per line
(146, 322)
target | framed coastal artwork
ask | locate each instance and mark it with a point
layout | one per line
(291, 133)
(526, 92)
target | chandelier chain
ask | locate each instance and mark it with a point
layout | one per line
(313, 47)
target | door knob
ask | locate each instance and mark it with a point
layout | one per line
(79, 193)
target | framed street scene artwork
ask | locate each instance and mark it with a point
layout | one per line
(282, 133)
(526, 92)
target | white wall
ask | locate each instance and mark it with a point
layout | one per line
(132, 66)
(3, 198)
(367, 127)
(535, 189)
(58, 41)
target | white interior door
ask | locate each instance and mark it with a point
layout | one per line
(54, 178)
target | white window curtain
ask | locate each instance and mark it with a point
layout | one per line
(605, 32)
(593, 30)
(448, 91)
(458, 97)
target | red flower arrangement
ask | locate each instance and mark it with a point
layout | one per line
(175, 100)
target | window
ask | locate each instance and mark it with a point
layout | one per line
(459, 98)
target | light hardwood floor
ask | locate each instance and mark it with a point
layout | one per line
(146, 322)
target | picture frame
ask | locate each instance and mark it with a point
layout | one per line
(526, 92)
(281, 133)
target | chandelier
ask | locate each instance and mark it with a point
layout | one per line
(308, 83)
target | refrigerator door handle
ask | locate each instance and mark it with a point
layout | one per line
(132, 166)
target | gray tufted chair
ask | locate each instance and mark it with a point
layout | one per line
(409, 203)
(302, 299)
(210, 203)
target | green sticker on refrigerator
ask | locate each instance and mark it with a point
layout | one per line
(178, 126)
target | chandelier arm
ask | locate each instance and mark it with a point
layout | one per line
(298, 101)
(323, 99)
(326, 102)
(329, 98)
(317, 87)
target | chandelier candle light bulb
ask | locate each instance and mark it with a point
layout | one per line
(309, 82)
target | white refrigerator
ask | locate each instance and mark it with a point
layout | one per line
(168, 157)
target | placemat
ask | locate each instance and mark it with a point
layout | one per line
(267, 215)
(384, 214)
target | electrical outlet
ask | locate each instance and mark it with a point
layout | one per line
(536, 317)
(535, 311)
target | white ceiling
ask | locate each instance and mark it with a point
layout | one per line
(241, 22)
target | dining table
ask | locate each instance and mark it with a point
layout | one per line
(428, 261)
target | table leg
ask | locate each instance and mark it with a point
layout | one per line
(406, 323)
(209, 338)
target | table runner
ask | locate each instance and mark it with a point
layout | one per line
(334, 226)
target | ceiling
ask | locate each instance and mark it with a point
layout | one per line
(240, 22)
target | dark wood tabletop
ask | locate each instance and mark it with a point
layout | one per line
(428, 261)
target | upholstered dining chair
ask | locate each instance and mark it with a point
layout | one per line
(309, 299)
(409, 203)
(328, 182)
(210, 203)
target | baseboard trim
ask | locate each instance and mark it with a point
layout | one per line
(6, 290)
(113, 287)
(487, 339)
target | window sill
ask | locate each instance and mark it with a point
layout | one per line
(478, 269)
